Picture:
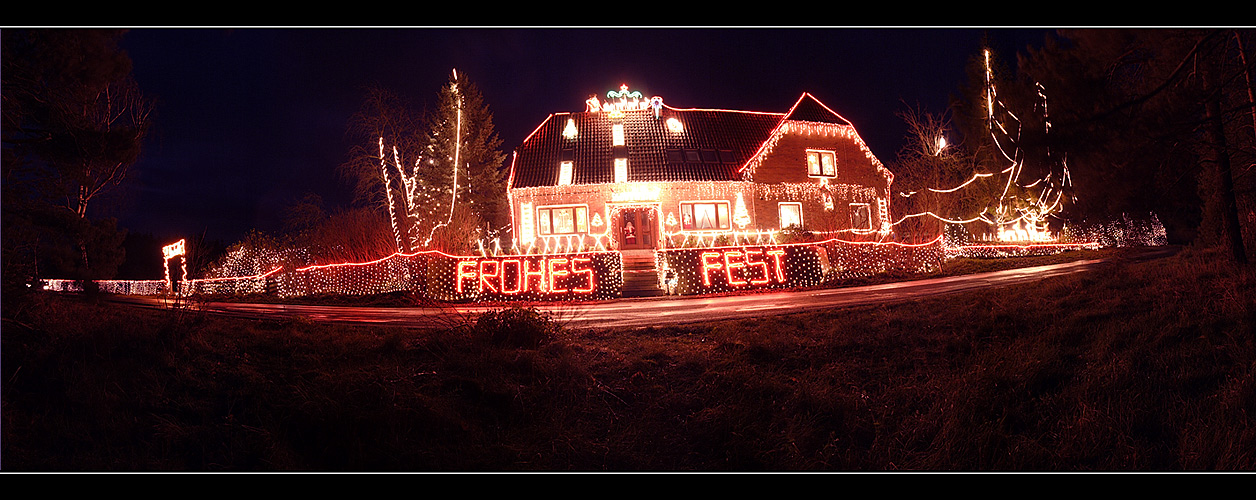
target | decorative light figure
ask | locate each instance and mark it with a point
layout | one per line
(740, 216)
(171, 251)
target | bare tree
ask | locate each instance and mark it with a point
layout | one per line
(74, 124)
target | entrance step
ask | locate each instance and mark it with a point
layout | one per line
(641, 279)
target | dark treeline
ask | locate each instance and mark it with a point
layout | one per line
(1146, 120)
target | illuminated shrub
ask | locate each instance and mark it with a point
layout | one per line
(1125, 231)
(795, 234)
(845, 259)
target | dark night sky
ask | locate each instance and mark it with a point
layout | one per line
(247, 120)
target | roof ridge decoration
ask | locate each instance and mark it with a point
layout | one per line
(726, 110)
(623, 100)
(807, 97)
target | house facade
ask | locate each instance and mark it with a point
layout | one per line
(632, 173)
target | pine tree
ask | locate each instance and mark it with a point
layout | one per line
(408, 169)
(74, 121)
(462, 130)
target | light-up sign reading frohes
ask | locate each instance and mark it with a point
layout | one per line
(589, 276)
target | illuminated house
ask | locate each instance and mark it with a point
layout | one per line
(632, 173)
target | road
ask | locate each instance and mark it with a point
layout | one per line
(660, 311)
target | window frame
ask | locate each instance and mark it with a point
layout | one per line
(621, 170)
(617, 134)
(780, 213)
(722, 224)
(867, 212)
(566, 172)
(820, 154)
(548, 228)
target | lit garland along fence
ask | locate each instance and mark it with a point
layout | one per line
(726, 269)
(1013, 250)
(233, 285)
(843, 259)
(598, 275)
(121, 287)
(395, 273)
(1123, 232)
(433, 274)
(439, 276)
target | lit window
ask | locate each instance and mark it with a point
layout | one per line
(621, 170)
(860, 218)
(525, 213)
(699, 216)
(674, 126)
(570, 130)
(562, 220)
(564, 173)
(617, 134)
(791, 215)
(821, 163)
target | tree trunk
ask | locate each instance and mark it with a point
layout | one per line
(1215, 130)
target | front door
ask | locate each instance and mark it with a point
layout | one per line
(636, 230)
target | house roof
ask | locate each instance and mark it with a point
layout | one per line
(713, 145)
(808, 109)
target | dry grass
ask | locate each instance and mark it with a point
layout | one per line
(1136, 366)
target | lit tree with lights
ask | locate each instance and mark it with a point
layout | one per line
(440, 179)
(1008, 182)
(463, 156)
(388, 129)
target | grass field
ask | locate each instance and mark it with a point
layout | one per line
(1135, 366)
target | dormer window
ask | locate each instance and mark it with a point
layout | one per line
(674, 126)
(617, 134)
(565, 173)
(821, 163)
(621, 170)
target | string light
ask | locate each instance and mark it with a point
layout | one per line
(171, 251)
(578, 266)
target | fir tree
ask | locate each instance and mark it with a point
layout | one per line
(409, 169)
(462, 130)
